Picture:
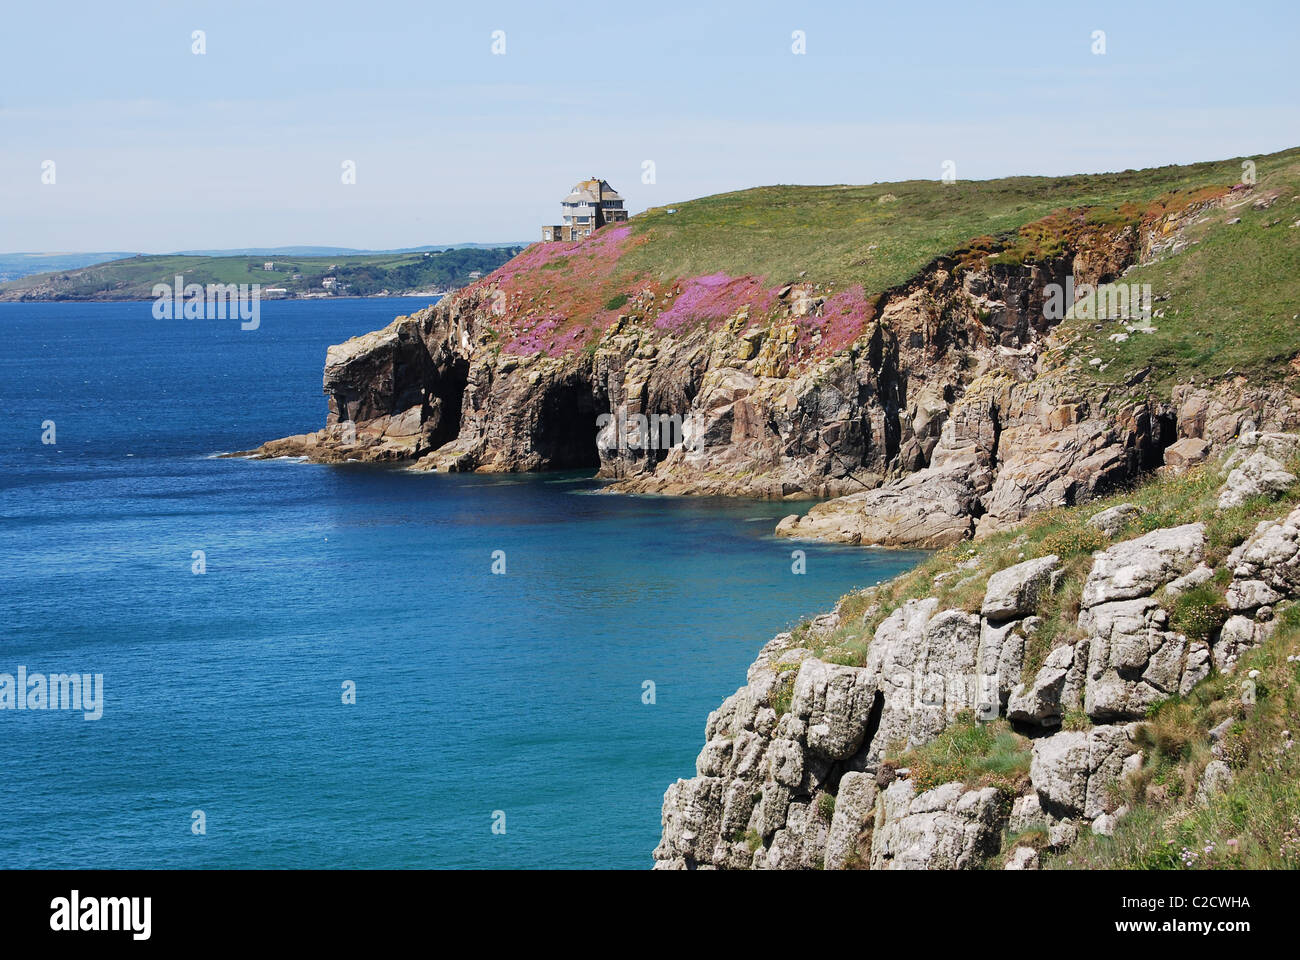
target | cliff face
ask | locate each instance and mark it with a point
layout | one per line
(938, 413)
(941, 409)
(817, 763)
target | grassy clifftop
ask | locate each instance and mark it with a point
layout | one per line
(1227, 303)
(701, 261)
(882, 235)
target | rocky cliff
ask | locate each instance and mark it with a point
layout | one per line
(835, 757)
(923, 355)
(944, 406)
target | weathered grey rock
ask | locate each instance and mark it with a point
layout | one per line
(785, 762)
(692, 818)
(1113, 519)
(1062, 833)
(1220, 730)
(854, 814)
(922, 664)
(1197, 668)
(834, 701)
(1015, 592)
(926, 509)
(1216, 778)
(1250, 595)
(947, 828)
(1259, 474)
(1193, 578)
(1059, 770)
(1237, 636)
(1045, 701)
(1133, 661)
(1077, 773)
(799, 845)
(1135, 568)
(1026, 814)
(999, 662)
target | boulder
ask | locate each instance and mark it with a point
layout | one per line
(1015, 591)
(1077, 772)
(1187, 452)
(1113, 519)
(854, 813)
(1216, 778)
(799, 845)
(1258, 475)
(947, 828)
(1054, 690)
(1022, 858)
(834, 701)
(1133, 661)
(1136, 568)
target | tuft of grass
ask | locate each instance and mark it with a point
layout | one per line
(1199, 612)
(783, 694)
(977, 754)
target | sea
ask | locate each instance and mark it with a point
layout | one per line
(346, 666)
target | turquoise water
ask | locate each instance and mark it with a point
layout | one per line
(475, 692)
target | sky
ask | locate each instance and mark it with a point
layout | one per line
(158, 148)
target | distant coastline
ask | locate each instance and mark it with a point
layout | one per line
(399, 274)
(414, 295)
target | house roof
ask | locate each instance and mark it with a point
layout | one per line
(592, 191)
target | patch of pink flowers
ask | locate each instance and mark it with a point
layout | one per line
(845, 315)
(604, 244)
(547, 337)
(713, 297)
(533, 340)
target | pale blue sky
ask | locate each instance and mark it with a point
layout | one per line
(158, 149)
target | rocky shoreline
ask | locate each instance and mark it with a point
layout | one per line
(801, 768)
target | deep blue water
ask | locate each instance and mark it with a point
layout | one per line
(476, 693)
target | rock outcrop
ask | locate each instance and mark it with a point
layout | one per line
(799, 769)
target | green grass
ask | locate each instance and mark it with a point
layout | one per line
(1199, 612)
(837, 238)
(977, 754)
(845, 235)
(1230, 300)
